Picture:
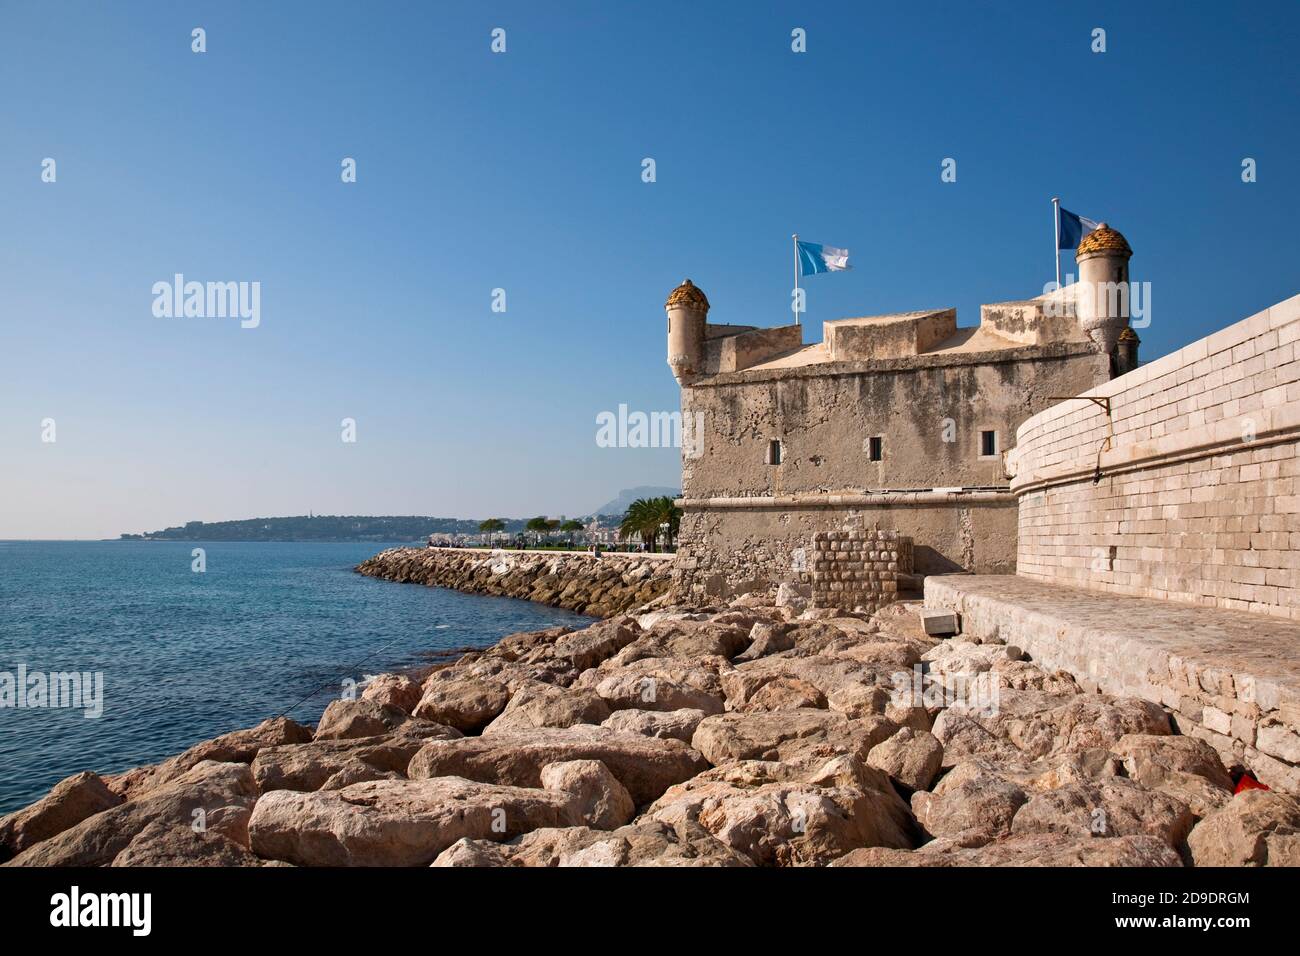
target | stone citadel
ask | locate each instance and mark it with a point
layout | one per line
(899, 422)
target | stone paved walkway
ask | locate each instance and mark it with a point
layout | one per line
(1230, 677)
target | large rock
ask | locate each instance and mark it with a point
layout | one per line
(394, 690)
(844, 806)
(1062, 770)
(67, 804)
(963, 739)
(593, 645)
(833, 635)
(797, 597)
(1022, 675)
(1186, 768)
(646, 766)
(689, 640)
(529, 645)
(397, 822)
(598, 798)
(912, 758)
(787, 735)
(784, 693)
(173, 844)
(1032, 850)
(207, 786)
(1020, 718)
(676, 724)
(239, 746)
(893, 655)
(1106, 808)
(657, 688)
(767, 637)
(827, 674)
(351, 719)
(859, 700)
(1087, 720)
(1039, 724)
(1256, 828)
(972, 805)
(536, 704)
(957, 659)
(498, 672)
(332, 764)
(479, 853)
(466, 703)
(644, 843)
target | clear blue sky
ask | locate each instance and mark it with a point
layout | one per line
(523, 171)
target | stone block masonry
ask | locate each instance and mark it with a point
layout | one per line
(1180, 481)
(859, 569)
(602, 587)
(735, 545)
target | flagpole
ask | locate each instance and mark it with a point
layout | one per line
(1056, 237)
(797, 316)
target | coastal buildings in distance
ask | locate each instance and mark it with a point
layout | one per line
(893, 422)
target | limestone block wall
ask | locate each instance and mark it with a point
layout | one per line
(1182, 483)
(859, 569)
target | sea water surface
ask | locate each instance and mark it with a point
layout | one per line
(267, 628)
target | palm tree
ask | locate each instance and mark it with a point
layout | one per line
(539, 526)
(670, 518)
(662, 517)
(490, 527)
(650, 517)
(572, 526)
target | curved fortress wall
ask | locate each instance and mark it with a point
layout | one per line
(1181, 482)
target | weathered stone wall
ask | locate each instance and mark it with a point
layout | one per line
(745, 519)
(1187, 487)
(729, 546)
(859, 570)
(601, 587)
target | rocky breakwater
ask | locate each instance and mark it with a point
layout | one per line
(757, 734)
(600, 586)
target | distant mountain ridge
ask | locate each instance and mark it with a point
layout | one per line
(628, 495)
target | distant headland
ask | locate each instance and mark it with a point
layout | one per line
(599, 525)
(319, 528)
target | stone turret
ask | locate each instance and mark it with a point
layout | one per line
(1103, 303)
(688, 312)
(1126, 352)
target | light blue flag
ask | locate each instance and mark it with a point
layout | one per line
(814, 258)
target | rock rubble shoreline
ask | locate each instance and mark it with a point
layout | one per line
(761, 733)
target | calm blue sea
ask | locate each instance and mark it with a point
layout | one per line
(267, 628)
